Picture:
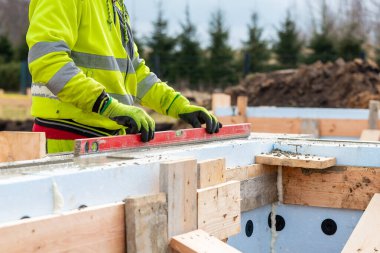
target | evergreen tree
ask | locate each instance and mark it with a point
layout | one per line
(256, 49)
(350, 47)
(6, 51)
(160, 59)
(220, 67)
(322, 42)
(354, 30)
(288, 48)
(188, 58)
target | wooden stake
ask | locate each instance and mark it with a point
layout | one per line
(178, 180)
(146, 224)
(373, 114)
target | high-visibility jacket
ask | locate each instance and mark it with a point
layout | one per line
(77, 51)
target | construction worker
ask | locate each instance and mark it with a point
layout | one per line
(87, 75)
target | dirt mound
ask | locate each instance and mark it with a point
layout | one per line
(337, 85)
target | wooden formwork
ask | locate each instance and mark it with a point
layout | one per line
(323, 127)
(140, 223)
(195, 196)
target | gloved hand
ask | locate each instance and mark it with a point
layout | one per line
(136, 119)
(194, 115)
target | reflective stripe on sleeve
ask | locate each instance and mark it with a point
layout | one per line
(144, 86)
(136, 63)
(62, 77)
(40, 90)
(43, 48)
(125, 99)
(102, 62)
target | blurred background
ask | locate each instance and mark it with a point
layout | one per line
(300, 53)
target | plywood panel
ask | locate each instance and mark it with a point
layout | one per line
(211, 172)
(199, 241)
(19, 146)
(336, 187)
(147, 224)
(365, 237)
(100, 229)
(178, 179)
(219, 209)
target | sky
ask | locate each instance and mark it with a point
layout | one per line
(238, 14)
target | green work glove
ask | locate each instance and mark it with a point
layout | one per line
(135, 119)
(194, 115)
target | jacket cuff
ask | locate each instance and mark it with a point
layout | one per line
(101, 102)
(176, 107)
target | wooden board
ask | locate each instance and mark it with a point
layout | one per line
(178, 180)
(294, 160)
(200, 242)
(327, 127)
(228, 120)
(241, 104)
(211, 172)
(365, 237)
(147, 224)
(258, 191)
(220, 100)
(219, 209)
(336, 187)
(19, 146)
(100, 229)
(250, 171)
(373, 117)
(275, 125)
(370, 135)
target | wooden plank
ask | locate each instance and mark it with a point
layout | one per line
(219, 209)
(18, 146)
(147, 224)
(336, 187)
(373, 117)
(231, 120)
(242, 103)
(365, 237)
(250, 171)
(327, 127)
(220, 100)
(342, 127)
(178, 179)
(281, 158)
(200, 241)
(275, 125)
(259, 191)
(211, 172)
(370, 135)
(100, 229)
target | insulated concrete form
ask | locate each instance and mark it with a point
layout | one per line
(59, 184)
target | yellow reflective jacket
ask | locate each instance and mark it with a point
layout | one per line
(77, 51)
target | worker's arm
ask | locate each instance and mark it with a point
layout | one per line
(157, 95)
(52, 34)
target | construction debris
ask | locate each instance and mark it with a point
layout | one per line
(336, 85)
